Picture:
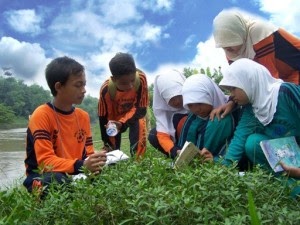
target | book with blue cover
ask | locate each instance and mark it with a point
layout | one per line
(284, 150)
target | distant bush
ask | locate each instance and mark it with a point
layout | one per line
(150, 192)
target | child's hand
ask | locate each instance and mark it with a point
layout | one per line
(291, 171)
(118, 124)
(206, 155)
(222, 111)
(95, 162)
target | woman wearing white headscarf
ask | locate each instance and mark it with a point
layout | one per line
(243, 37)
(168, 111)
(201, 95)
(271, 109)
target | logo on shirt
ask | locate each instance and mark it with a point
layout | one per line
(80, 135)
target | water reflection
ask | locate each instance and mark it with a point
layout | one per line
(12, 154)
(11, 168)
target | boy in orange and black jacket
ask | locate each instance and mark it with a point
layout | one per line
(59, 138)
(123, 101)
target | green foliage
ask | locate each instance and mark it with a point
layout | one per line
(150, 91)
(20, 98)
(150, 118)
(215, 76)
(6, 114)
(90, 104)
(189, 72)
(252, 210)
(151, 192)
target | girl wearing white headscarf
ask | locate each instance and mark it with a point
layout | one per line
(200, 96)
(169, 119)
(271, 109)
(243, 37)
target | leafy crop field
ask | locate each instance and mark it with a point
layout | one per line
(149, 191)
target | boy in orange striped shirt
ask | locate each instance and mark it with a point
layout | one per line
(59, 139)
(123, 101)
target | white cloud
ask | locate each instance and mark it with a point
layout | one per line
(149, 32)
(158, 5)
(163, 69)
(209, 56)
(24, 21)
(25, 58)
(284, 14)
(189, 40)
(120, 12)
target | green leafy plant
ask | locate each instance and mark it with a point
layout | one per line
(149, 191)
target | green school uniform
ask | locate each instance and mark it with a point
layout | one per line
(250, 131)
(212, 135)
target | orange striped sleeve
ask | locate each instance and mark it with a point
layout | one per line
(143, 95)
(102, 104)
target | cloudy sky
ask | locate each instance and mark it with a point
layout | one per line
(160, 34)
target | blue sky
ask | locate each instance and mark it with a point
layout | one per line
(160, 34)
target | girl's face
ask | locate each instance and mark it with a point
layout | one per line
(238, 96)
(200, 109)
(176, 102)
(233, 51)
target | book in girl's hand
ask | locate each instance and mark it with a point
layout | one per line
(284, 150)
(187, 153)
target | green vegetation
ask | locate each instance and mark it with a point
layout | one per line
(150, 192)
(18, 101)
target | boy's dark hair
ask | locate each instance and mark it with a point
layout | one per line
(122, 64)
(60, 69)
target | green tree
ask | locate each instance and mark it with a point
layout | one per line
(90, 104)
(188, 71)
(35, 95)
(215, 76)
(150, 91)
(6, 114)
(21, 98)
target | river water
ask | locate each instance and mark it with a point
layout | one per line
(12, 155)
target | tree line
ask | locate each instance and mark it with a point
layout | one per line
(18, 100)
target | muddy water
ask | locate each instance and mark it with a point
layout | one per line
(12, 154)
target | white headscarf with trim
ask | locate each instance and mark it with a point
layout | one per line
(256, 81)
(231, 28)
(167, 86)
(199, 88)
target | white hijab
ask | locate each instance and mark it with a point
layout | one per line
(199, 88)
(166, 86)
(230, 28)
(258, 84)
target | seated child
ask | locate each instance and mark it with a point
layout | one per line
(59, 139)
(271, 109)
(168, 111)
(201, 95)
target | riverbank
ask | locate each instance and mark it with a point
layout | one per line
(12, 155)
